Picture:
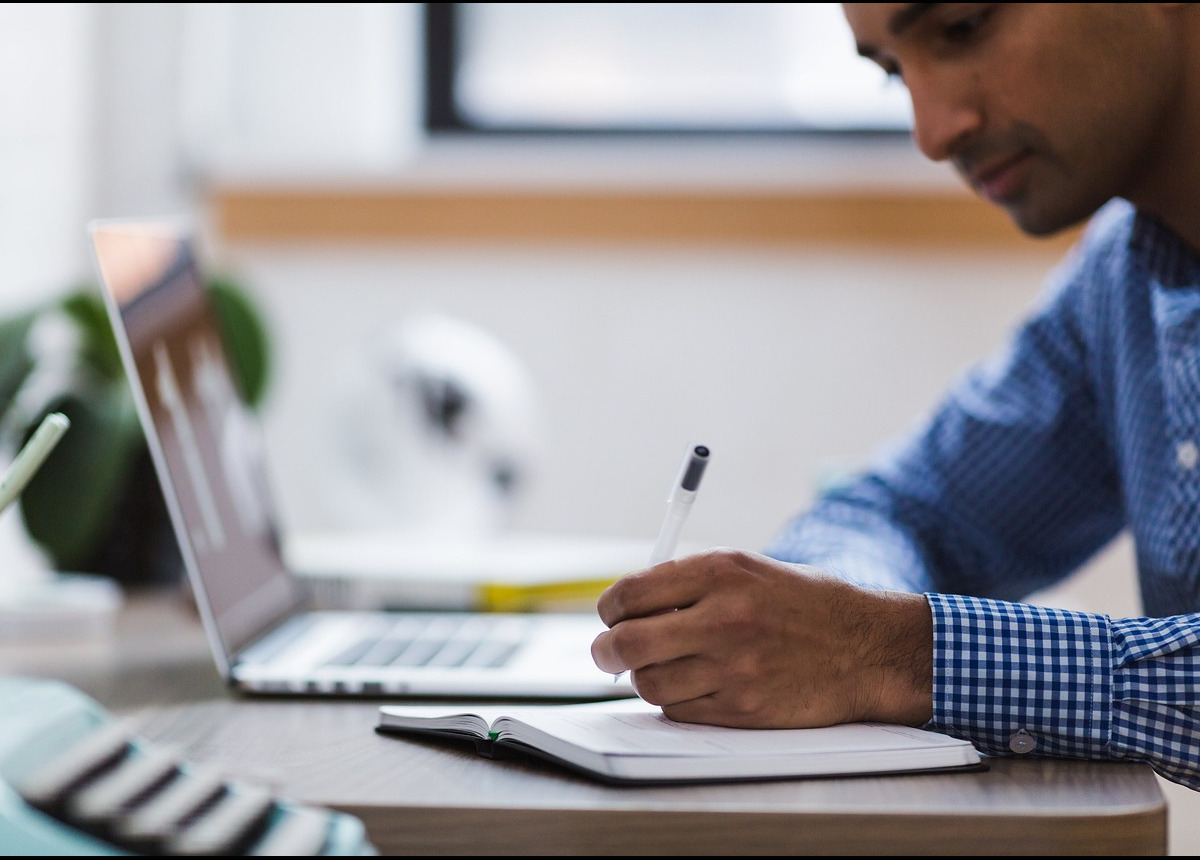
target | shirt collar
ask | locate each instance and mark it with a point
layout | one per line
(1166, 256)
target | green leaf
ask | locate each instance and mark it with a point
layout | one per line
(15, 362)
(69, 505)
(245, 339)
(98, 348)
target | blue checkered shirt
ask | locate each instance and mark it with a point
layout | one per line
(1087, 424)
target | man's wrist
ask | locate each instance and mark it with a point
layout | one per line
(905, 649)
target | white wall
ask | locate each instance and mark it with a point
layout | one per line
(46, 57)
(787, 361)
(772, 356)
(142, 166)
(781, 360)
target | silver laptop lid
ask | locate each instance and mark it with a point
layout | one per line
(204, 441)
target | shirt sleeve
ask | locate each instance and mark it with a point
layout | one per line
(1005, 488)
(1008, 486)
(1017, 679)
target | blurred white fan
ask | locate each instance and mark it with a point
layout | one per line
(440, 432)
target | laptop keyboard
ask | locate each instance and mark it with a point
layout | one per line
(439, 640)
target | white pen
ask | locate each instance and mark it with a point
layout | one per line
(679, 505)
(31, 456)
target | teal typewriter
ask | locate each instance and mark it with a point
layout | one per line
(75, 780)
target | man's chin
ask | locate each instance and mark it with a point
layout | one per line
(1041, 223)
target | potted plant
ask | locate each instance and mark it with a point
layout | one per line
(95, 506)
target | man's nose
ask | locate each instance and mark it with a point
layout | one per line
(945, 115)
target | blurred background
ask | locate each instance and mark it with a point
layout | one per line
(643, 225)
(677, 224)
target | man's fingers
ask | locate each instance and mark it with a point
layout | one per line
(677, 681)
(638, 642)
(664, 587)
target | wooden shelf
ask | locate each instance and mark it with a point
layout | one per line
(710, 217)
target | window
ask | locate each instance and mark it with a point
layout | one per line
(652, 67)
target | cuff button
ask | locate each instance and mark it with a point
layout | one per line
(1021, 742)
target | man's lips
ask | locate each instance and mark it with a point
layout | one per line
(1000, 180)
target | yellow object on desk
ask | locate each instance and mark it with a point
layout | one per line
(564, 596)
(399, 569)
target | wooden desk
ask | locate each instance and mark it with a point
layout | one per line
(154, 654)
(426, 797)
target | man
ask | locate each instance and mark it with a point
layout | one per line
(892, 599)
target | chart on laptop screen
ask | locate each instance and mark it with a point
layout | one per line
(209, 443)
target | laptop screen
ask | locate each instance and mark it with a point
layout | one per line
(205, 442)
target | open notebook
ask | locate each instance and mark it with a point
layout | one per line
(631, 741)
(207, 450)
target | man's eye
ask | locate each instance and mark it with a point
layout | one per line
(965, 28)
(890, 70)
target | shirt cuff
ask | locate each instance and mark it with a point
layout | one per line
(1015, 678)
(1154, 693)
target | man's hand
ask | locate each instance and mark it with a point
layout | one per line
(738, 639)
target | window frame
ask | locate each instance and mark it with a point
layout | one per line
(442, 118)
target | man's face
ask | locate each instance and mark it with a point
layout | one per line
(1048, 110)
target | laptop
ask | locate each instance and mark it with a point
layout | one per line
(265, 633)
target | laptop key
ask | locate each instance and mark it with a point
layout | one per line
(381, 646)
(417, 653)
(494, 654)
(354, 654)
(454, 653)
(384, 652)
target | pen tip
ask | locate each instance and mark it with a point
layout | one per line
(694, 468)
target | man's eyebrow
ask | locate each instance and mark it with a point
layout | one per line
(901, 21)
(908, 16)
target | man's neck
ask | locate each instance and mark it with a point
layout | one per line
(1171, 190)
